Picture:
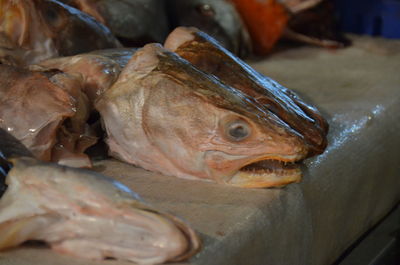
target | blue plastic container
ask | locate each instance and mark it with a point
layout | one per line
(372, 17)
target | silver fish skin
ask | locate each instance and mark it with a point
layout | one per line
(85, 214)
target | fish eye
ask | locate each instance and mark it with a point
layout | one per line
(237, 130)
(205, 10)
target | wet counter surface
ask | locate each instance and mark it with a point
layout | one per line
(344, 192)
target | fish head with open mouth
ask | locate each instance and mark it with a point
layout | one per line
(166, 115)
(35, 30)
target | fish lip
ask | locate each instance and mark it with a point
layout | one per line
(261, 176)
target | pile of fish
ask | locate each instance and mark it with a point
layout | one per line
(38, 29)
(188, 108)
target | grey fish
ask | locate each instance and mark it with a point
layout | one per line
(134, 22)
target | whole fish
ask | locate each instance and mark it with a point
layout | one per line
(134, 22)
(34, 30)
(166, 115)
(84, 214)
(47, 112)
(217, 18)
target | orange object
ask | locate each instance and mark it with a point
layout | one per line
(265, 19)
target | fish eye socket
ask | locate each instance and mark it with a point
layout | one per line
(54, 16)
(205, 10)
(237, 130)
(51, 14)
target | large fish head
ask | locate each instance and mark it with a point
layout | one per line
(217, 18)
(167, 116)
(209, 56)
(83, 213)
(47, 28)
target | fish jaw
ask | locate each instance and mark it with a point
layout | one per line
(87, 215)
(258, 171)
(265, 178)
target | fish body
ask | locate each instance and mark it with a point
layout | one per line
(85, 214)
(34, 30)
(166, 115)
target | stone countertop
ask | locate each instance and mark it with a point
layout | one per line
(344, 191)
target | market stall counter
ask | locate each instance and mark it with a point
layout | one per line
(344, 191)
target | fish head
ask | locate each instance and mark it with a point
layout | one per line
(209, 56)
(224, 143)
(84, 214)
(48, 28)
(166, 115)
(217, 18)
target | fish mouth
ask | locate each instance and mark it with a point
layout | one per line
(267, 173)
